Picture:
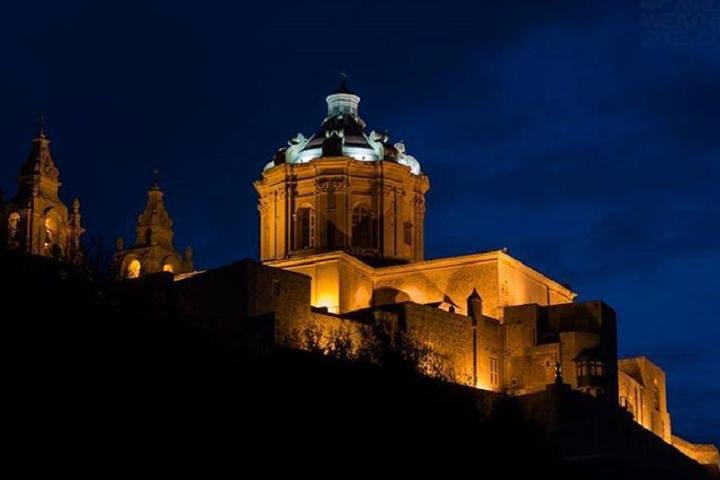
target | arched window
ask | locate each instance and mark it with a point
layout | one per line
(305, 228)
(361, 227)
(133, 269)
(168, 267)
(13, 227)
(51, 237)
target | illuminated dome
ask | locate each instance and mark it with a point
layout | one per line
(342, 133)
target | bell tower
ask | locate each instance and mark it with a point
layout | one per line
(153, 250)
(343, 189)
(36, 221)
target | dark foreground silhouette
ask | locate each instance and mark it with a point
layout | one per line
(108, 376)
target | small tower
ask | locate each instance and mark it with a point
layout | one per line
(153, 250)
(36, 221)
(474, 306)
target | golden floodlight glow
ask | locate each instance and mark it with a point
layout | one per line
(328, 297)
(133, 269)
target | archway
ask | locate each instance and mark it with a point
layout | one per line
(133, 269)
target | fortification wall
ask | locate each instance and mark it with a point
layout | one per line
(449, 335)
(703, 453)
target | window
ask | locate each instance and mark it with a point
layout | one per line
(51, 243)
(133, 269)
(50, 231)
(168, 268)
(276, 287)
(13, 227)
(361, 227)
(305, 228)
(590, 368)
(407, 233)
(494, 372)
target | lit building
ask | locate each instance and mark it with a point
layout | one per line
(153, 250)
(346, 208)
(366, 198)
(342, 217)
(36, 221)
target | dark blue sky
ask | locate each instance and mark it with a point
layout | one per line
(582, 137)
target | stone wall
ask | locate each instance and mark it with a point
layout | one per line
(531, 370)
(343, 283)
(520, 285)
(332, 188)
(450, 336)
(490, 354)
(537, 337)
(449, 280)
(703, 453)
(650, 400)
(246, 289)
(355, 286)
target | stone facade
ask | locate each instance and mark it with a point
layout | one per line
(498, 324)
(643, 393)
(343, 283)
(366, 197)
(373, 210)
(703, 453)
(153, 250)
(36, 221)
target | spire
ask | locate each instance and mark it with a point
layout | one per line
(154, 223)
(41, 125)
(153, 250)
(39, 161)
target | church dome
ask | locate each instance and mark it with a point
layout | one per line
(342, 133)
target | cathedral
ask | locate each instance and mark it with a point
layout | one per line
(341, 226)
(346, 208)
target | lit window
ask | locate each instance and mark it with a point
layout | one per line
(13, 228)
(50, 233)
(168, 268)
(133, 269)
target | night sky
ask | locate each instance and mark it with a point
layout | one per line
(582, 138)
